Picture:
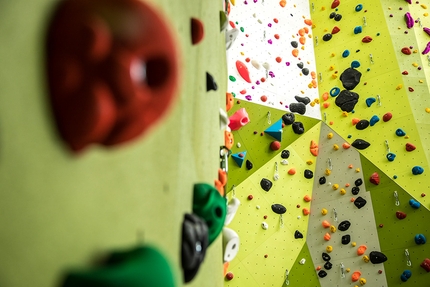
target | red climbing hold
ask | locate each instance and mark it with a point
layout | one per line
(410, 147)
(278, 59)
(335, 4)
(406, 51)
(400, 215)
(232, 24)
(367, 39)
(335, 30)
(197, 31)
(405, 73)
(374, 178)
(275, 145)
(243, 71)
(387, 117)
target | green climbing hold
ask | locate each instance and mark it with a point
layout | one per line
(233, 79)
(242, 29)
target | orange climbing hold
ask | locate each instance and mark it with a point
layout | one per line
(314, 148)
(325, 224)
(295, 52)
(361, 250)
(283, 3)
(277, 36)
(326, 105)
(354, 121)
(313, 75)
(278, 59)
(292, 171)
(306, 29)
(346, 145)
(327, 236)
(325, 96)
(306, 211)
(302, 40)
(355, 276)
(301, 32)
(308, 22)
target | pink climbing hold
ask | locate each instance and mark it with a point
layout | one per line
(427, 49)
(374, 178)
(243, 71)
(427, 30)
(409, 20)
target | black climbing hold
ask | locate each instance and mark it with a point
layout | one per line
(350, 78)
(355, 190)
(344, 225)
(249, 165)
(360, 202)
(327, 37)
(308, 174)
(288, 118)
(338, 17)
(326, 257)
(322, 274)
(377, 257)
(332, 14)
(294, 44)
(358, 182)
(285, 154)
(278, 208)
(210, 83)
(298, 128)
(328, 265)
(361, 125)
(266, 184)
(322, 180)
(298, 108)
(305, 71)
(298, 234)
(346, 239)
(346, 100)
(304, 100)
(300, 65)
(360, 144)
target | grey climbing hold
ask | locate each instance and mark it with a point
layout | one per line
(326, 257)
(360, 144)
(328, 265)
(308, 174)
(305, 71)
(322, 180)
(285, 154)
(358, 182)
(327, 37)
(332, 15)
(299, 108)
(249, 165)
(322, 274)
(361, 125)
(355, 190)
(288, 118)
(294, 44)
(304, 100)
(338, 17)
(298, 234)
(300, 65)
(298, 128)
(278, 208)
(266, 184)
(347, 100)
(377, 257)
(346, 239)
(350, 78)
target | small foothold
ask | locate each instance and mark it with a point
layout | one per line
(298, 128)
(366, 259)
(400, 132)
(335, 30)
(250, 197)
(360, 202)
(322, 180)
(308, 174)
(322, 274)
(264, 225)
(355, 276)
(355, 64)
(298, 234)
(325, 224)
(275, 145)
(361, 250)
(324, 211)
(249, 165)
(299, 108)
(332, 15)
(358, 30)
(329, 249)
(327, 237)
(374, 178)
(197, 31)
(391, 156)
(358, 8)
(327, 37)
(346, 239)
(344, 225)
(361, 125)
(400, 215)
(266, 184)
(306, 211)
(387, 117)
(374, 120)
(285, 154)
(292, 171)
(420, 239)
(300, 65)
(211, 85)
(345, 53)
(229, 276)
(416, 170)
(278, 208)
(360, 144)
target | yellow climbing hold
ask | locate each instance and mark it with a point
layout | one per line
(415, 64)
(330, 135)
(322, 8)
(329, 249)
(242, 53)
(331, 68)
(344, 114)
(332, 229)
(362, 281)
(415, 51)
(342, 191)
(327, 171)
(357, 170)
(324, 211)
(309, 162)
(353, 244)
(427, 110)
(312, 104)
(399, 86)
(333, 54)
(335, 186)
(366, 258)
(425, 14)
(233, 2)
(316, 100)
(334, 76)
(348, 270)
(421, 81)
(424, 6)
(335, 147)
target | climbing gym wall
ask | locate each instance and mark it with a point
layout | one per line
(363, 219)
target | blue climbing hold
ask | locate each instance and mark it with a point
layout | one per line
(239, 158)
(406, 275)
(275, 130)
(358, 8)
(414, 204)
(358, 30)
(416, 170)
(345, 53)
(355, 64)
(391, 156)
(420, 239)
(334, 91)
(370, 101)
(400, 133)
(374, 120)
